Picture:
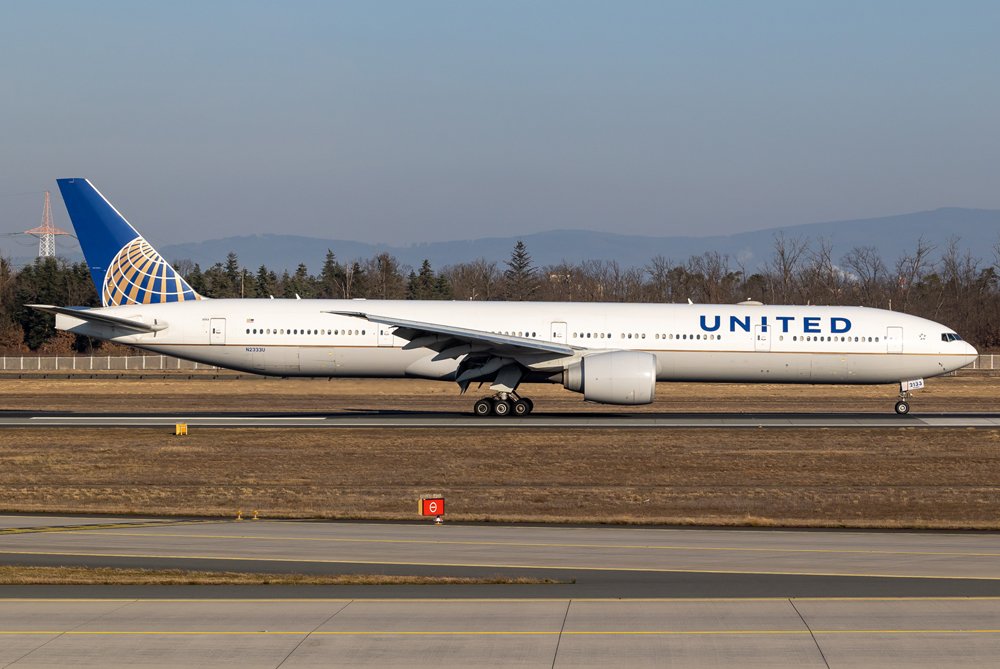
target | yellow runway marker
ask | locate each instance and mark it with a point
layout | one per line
(658, 570)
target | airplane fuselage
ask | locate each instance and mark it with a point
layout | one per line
(691, 342)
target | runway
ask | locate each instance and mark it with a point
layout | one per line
(553, 633)
(642, 596)
(402, 419)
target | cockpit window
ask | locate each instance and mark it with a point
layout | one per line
(950, 336)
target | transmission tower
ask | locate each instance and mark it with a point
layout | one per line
(46, 232)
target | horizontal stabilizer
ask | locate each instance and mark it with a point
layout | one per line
(99, 317)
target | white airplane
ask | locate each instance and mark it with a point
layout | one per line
(610, 353)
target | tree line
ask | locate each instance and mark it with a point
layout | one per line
(944, 285)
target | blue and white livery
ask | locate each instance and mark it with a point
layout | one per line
(125, 268)
(610, 353)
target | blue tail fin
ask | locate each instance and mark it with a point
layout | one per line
(125, 268)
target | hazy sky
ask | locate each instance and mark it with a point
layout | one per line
(427, 120)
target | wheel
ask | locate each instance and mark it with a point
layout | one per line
(482, 407)
(531, 405)
(501, 407)
(521, 407)
(902, 407)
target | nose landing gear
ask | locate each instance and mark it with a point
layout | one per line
(903, 404)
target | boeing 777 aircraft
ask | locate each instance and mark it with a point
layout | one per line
(610, 353)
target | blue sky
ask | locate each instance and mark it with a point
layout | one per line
(416, 121)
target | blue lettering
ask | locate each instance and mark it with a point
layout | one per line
(810, 324)
(744, 323)
(784, 321)
(839, 325)
(715, 326)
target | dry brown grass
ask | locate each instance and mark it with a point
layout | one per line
(19, 575)
(807, 477)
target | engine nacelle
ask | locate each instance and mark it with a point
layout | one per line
(615, 377)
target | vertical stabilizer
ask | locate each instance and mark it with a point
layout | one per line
(125, 268)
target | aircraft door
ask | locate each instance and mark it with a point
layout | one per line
(384, 334)
(558, 332)
(894, 340)
(762, 338)
(217, 331)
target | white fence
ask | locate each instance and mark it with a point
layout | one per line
(98, 363)
(985, 361)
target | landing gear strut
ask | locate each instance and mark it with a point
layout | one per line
(503, 404)
(903, 404)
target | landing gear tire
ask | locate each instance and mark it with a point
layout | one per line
(902, 407)
(501, 407)
(522, 407)
(483, 407)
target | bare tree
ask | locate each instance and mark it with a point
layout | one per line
(910, 268)
(869, 274)
(783, 268)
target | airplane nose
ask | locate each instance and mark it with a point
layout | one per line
(971, 354)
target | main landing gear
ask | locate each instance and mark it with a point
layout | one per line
(503, 404)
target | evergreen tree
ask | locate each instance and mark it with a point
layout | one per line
(266, 282)
(232, 271)
(520, 278)
(196, 279)
(301, 283)
(331, 278)
(50, 281)
(422, 286)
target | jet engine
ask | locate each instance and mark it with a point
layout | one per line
(615, 377)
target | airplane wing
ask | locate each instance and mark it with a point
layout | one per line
(452, 342)
(98, 317)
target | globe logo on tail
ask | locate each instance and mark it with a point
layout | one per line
(140, 275)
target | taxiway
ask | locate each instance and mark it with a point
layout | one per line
(693, 597)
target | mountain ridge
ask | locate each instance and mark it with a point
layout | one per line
(977, 232)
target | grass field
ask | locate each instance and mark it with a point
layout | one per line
(969, 392)
(802, 477)
(27, 575)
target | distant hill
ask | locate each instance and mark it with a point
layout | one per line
(977, 229)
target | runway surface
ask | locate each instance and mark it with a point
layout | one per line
(692, 597)
(553, 633)
(642, 597)
(401, 419)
